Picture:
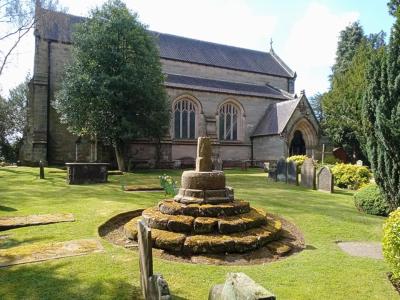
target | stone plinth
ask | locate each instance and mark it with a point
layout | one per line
(86, 173)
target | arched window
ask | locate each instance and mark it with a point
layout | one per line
(229, 116)
(184, 119)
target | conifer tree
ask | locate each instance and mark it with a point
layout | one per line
(381, 117)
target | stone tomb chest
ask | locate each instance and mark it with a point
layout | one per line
(81, 173)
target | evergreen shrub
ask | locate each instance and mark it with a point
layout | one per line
(391, 242)
(369, 199)
(351, 176)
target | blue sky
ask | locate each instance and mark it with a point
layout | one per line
(304, 32)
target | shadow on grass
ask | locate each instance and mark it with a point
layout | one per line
(6, 208)
(48, 282)
(6, 242)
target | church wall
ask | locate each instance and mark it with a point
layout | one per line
(254, 108)
(266, 148)
(189, 69)
(61, 143)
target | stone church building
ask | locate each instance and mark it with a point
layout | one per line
(243, 99)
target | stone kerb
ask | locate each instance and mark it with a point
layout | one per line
(281, 170)
(325, 180)
(308, 174)
(292, 177)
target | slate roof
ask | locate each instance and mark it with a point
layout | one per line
(276, 117)
(58, 26)
(196, 83)
(212, 54)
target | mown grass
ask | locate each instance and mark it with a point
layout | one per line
(322, 271)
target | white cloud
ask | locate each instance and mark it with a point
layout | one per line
(232, 23)
(311, 46)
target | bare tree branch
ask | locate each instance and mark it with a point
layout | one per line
(20, 36)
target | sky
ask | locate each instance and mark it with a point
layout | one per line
(304, 33)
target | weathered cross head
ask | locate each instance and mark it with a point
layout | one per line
(203, 160)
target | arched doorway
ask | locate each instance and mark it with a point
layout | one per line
(297, 145)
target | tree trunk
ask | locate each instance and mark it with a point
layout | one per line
(119, 154)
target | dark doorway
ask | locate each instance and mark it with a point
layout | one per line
(297, 146)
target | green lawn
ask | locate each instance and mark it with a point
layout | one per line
(321, 271)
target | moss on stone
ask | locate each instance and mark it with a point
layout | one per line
(205, 225)
(168, 240)
(279, 248)
(204, 210)
(178, 223)
(130, 228)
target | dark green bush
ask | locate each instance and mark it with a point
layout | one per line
(391, 242)
(370, 200)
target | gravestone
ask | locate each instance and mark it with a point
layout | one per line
(308, 174)
(325, 180)
(359, 162)
(154, 287)
(292, 177)
(266, 167)
(281, 170)
(239, 286)
(272, 171)
(41, 170)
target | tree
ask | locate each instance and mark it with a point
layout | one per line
(18, 18)
(113, 88)
(381, 116)
(17, 103)
(393, 6)
(342, 104)
(13, 121)
(349, 40)
(316, 105)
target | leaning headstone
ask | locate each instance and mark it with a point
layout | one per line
(239, 286)
(41, 170)
(359, 163)
(281, 170)
(154, 287)
(325, 180)
(292, 177)
(308, 174)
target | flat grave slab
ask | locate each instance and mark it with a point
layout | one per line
(31, 220)
(34, 253)
(362, 249)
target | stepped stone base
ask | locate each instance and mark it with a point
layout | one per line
(235, 207)
(211, 242)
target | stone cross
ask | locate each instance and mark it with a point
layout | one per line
(154, 287)
(203, 160)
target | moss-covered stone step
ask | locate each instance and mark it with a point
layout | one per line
(236, 207)
(213, 243)
(157, 220)
(181, 223)
(130, 228)
(279, 248)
